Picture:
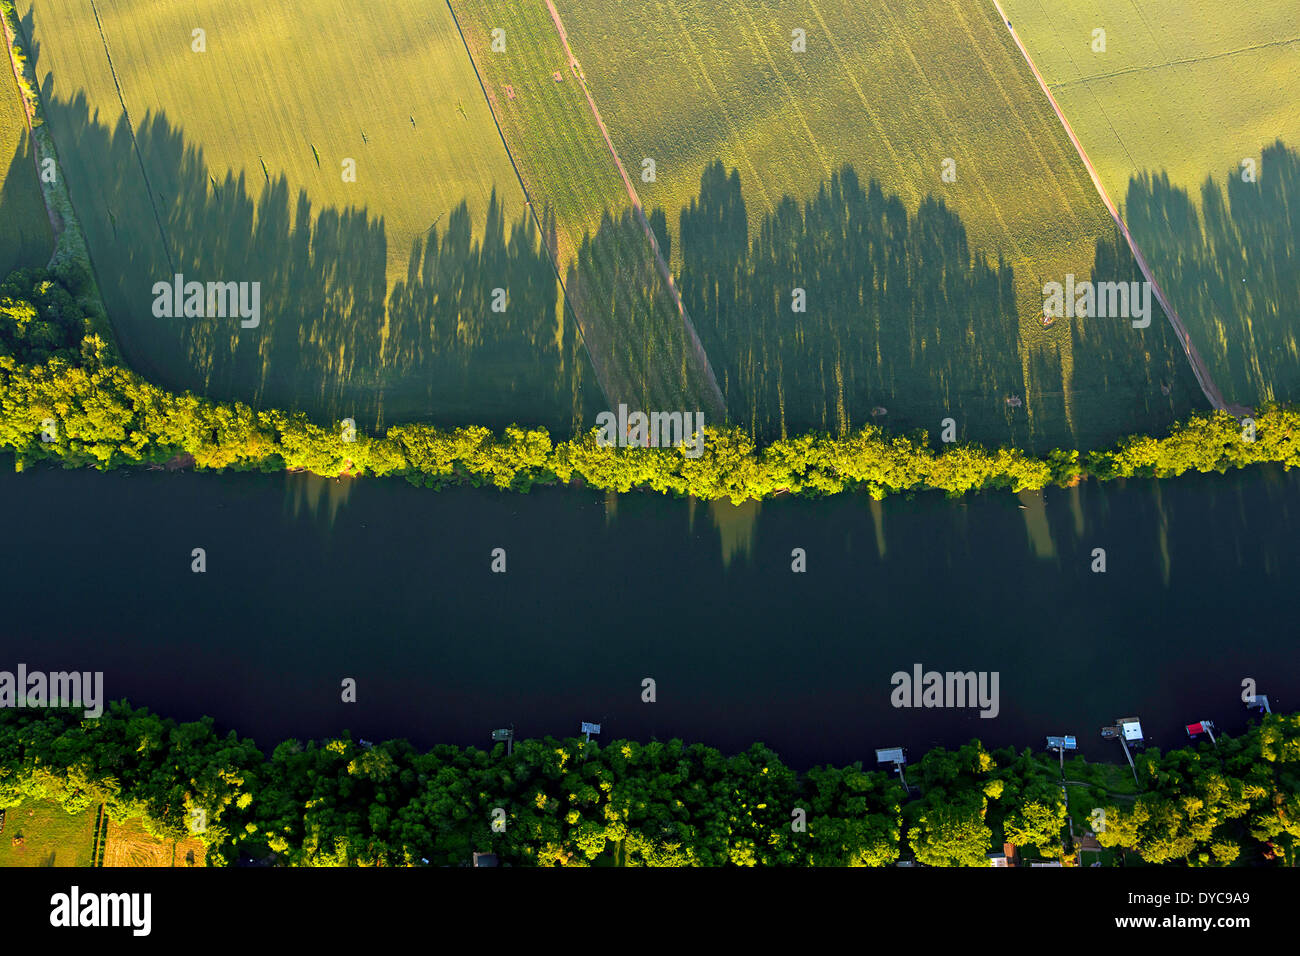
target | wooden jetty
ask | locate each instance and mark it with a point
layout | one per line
(1061, 745)
(1128, 730)
(505, 735)
(1260, 702)
(896, 756)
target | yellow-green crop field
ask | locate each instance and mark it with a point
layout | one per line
(278, 79)
(219, 142)
(855, 206)
(901, 93)
(25, 238)
(634, 331)
(1185, 97)
(894, 89)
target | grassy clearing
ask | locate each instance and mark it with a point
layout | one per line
(1114, 778)
(129, 844)
(41, 833)
(894, 92)
(1180, 96)
(25, 237)
(229, 164)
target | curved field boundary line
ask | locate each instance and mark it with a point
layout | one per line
(1203, 377)
(135, 146)
(602, 378)
(701, 357)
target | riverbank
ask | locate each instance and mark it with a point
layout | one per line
(602, 591)
(65, 397)
(574, 802)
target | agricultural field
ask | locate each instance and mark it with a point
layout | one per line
(674, 207)
(25, 238)
(42, 833)
(1175, 103)
(215, 142)
(750, 141)
(617, 279)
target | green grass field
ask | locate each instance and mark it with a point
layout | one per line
(1182, 94)
(25, 238)
(230, 164)
(41, 833)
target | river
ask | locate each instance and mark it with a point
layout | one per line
(311, 581)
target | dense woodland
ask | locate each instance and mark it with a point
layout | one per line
(574, 803)
(64, 396)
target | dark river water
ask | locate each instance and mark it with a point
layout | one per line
(309, 582)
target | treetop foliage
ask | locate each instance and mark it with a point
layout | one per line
(341, 802)
(55, 368)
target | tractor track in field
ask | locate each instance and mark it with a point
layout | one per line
(1203, 377)
(1184, 61)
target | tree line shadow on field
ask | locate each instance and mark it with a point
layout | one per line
(333, 338)
(904, 325)
(25, 239)
(635, 333)
(1232, 270)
